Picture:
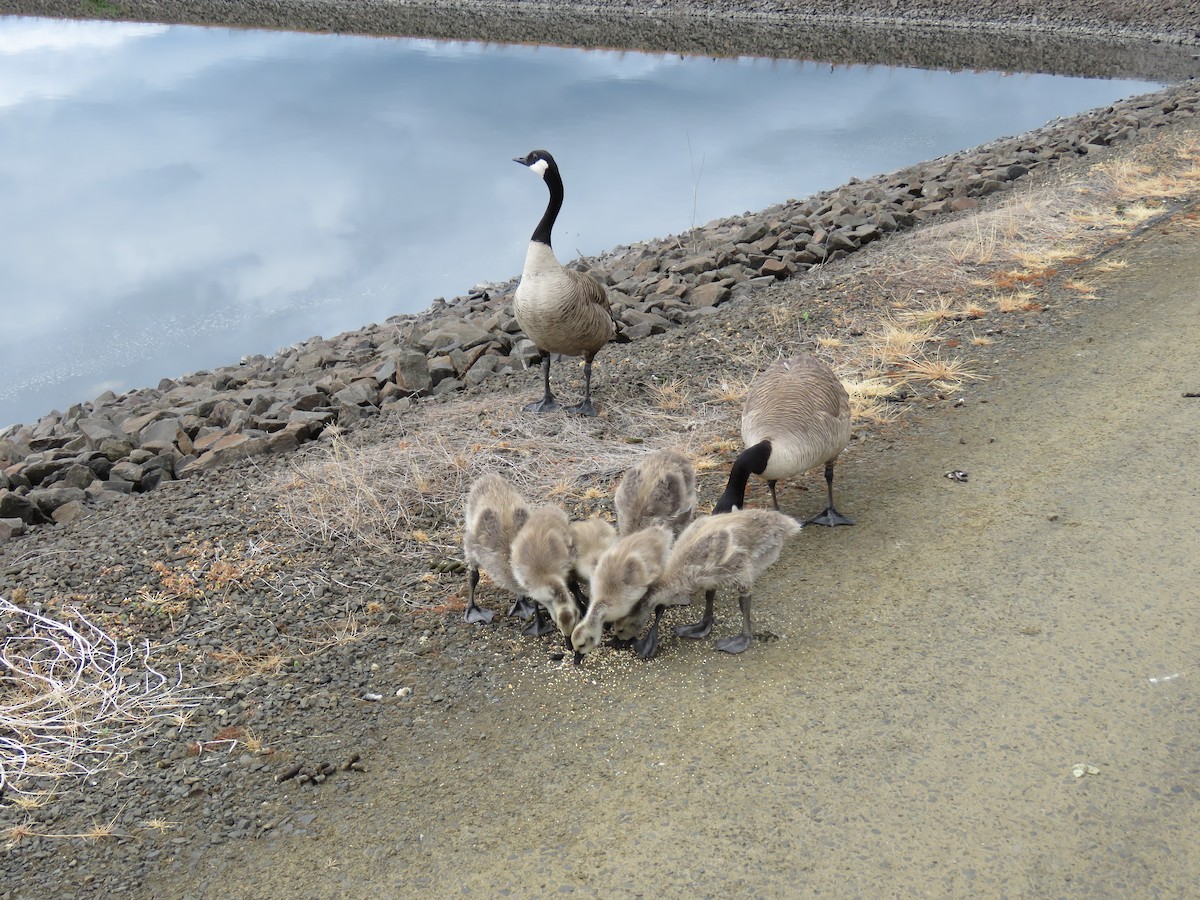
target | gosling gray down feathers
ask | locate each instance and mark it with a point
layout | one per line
(796, 417)
(715, 552)
(661, 489)
(592, 537)
(542, 557)
(623, 574)
(561, 310)
(494, 513)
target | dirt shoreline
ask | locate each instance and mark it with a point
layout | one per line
(908, 721)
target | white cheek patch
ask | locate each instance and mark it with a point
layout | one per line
(540, 167)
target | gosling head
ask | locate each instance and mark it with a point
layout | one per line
(586, 636)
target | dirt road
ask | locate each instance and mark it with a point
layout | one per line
(923, 686)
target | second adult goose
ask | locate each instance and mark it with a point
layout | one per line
(796, 417)
(560, 310)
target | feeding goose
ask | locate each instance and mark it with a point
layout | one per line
(714, 552)
(562, 311)
(542, 558)
(495, 512)
(661, 489)
(623, 574)
(796, 416)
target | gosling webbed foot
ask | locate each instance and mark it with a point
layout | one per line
(697, 631)
(700, 630)
(735, 644)
(622, 643)
(523, 608)
(646, 647)
(477, 614)
(830, 517)
(540, 625)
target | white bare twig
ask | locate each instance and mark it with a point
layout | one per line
(72, 699)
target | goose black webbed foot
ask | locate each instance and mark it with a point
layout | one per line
(697, 631)
(585, 408)
(540, 625)
(523, 608)
(476, 614)
(545, 405)
(735, 644)
(647, 646)
(830, 517)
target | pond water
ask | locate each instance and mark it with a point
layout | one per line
(177, 197)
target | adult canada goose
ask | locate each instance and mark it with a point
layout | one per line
(542, 556)
(494, 514)
(796, 416)
(560, 310)
(623, 574)
(661, 489)
(713, 552)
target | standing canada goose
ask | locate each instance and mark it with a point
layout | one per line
(659, 490)
(712, 553)
(542, 556)
(560, 310)
(623, 574)
(494, 514)
(796, 416)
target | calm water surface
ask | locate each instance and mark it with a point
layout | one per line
(172, 198)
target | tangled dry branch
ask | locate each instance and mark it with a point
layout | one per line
(73, 701)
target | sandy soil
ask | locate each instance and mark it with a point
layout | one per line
(922, 686)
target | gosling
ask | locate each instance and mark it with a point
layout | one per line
(624, 573)
(542, 558)
(494, 513)
(661, 489)
(714, 552)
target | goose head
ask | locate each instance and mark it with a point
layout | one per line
(540, 161)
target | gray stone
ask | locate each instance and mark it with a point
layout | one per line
(126, 471)
(69, 512)
(18, 506)
(713, 294)
(412, 372)
(360, 392)
(47, 500)
(160, 434)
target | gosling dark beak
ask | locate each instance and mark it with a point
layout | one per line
(578, 658)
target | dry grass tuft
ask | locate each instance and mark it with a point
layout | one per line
(941, 374)
(405, 499)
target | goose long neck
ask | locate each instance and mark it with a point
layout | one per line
(751, 460)
(541, 234)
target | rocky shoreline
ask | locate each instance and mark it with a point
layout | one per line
(93, 453)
